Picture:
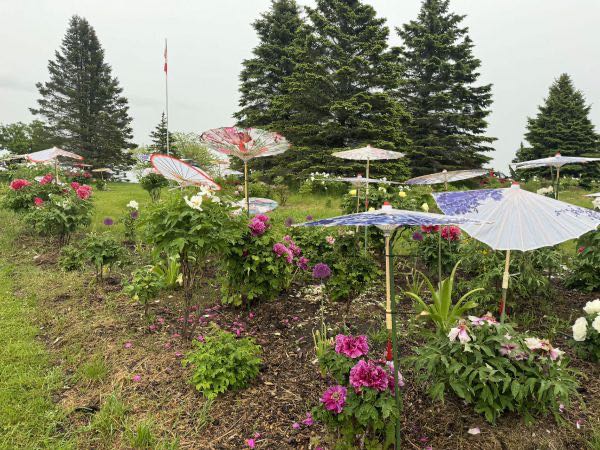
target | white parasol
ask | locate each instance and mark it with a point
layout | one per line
(521, 220)
(258, 205)
(447, 177)
(556, 161)
(52, 154)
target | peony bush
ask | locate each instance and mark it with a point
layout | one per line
(586, 332)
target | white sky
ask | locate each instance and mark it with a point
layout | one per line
(523, 45)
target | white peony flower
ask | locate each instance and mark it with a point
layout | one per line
(133, 204)
(580, 329)
(195, 202)
(596, 323)
(592, 307)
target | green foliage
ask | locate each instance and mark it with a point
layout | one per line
(142, 436)
(111, 417)
(189, 146)
(159, 138)
(281, 191)
(223, 362)
(21, 138)
(145, 285)
(22, 200)
(524, 381)
(433, 249)
(82, 101)
(442, 312)
(585, 273)
(102, 251)
(100, 184)
(273, 60)
(562, 124)
(339, 94)
(251, 270)
(169, 271)
(449, 111)
(153, 183)
(130, 219)
(93, 370)
(350, 276)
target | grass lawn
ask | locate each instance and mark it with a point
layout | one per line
(29, 419)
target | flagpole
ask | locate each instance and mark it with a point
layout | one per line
(167, 97)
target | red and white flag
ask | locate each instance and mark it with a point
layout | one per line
(165, 67)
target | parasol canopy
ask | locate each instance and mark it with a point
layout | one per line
(359, 179)
(103, 170)
(553, 161)
(259, 205)
(521, 219)
(230, 172)
(182, 173)
(447, 177)
(597, 194)
(51, 154)
(368, 153)
(245, 143)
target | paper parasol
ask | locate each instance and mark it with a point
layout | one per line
(180, 172)
(521, 219)
(245, 143)
(258, 205)
(447, 177)
(51, 154)
(556, 161)
(597, 194)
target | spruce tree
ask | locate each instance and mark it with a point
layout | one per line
(159, 138)
(340, 95)
(82, 101)
(262, 75)
(562, 125)
(449, 111)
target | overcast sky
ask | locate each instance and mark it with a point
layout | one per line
(523, 44)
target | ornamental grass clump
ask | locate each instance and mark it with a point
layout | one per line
(497, 370)
(260, 264)
(222, 362)
(359, 405)
(586, 332)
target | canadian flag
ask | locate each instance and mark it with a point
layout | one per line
(165, 66)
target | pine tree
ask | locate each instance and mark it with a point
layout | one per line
(449, 111)
(339, 95)
(563, 125)
(82, 102)
(262, 76)
(159, 138)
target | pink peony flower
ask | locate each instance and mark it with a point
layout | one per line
(257, 227)
(296, 426)
(262, 217)
(351, 346)
(279, 249)
(18, 184)
(430, 228)
(47, 179)
(334, 398)
(368, 374)
(38, 201)
(296, 251)
(84, 192)
(75, 185)
(309, 420)
(302, 263)
(330, 240)
(451, 233)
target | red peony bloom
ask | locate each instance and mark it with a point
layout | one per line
(18, 184)
(580, 249)
(75, 185)
(38, 201)
(84, 192)
(430, 228)
(451, 233)
(47, 179)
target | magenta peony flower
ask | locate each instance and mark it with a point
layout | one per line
(257, 227)
(18, 184)
(334, 398)
(280, 250)
(302, 263)
(262, 217)
(369, 374)
(430, 228)
(84, 192)
(296, 251)
(351, 346)
(451, 233)
(321, 271)
(75, 185)
(309, 420)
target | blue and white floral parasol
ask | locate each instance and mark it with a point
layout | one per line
(447, 177)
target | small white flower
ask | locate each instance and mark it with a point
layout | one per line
(596, 323)
(592, 307)
(580, 329)
(133, 205)
(180, 279)
(195, 202)
(425, 207)
(474, 431)
(533, 343)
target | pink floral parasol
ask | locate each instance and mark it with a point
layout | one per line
(245, 143)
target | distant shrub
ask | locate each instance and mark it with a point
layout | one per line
(153, 183)
(585, 273)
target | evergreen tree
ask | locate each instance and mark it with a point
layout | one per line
(262, 76)
(159, 138)
(449, 112)
(82, 102)
(562, 125)
(339, 96)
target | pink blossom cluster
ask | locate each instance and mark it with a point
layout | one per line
(451, 233)
(47, 179)
(19, 184)
(350, 346)
(369, 374)
(291, 251)
(430, 228)
(259, 224)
